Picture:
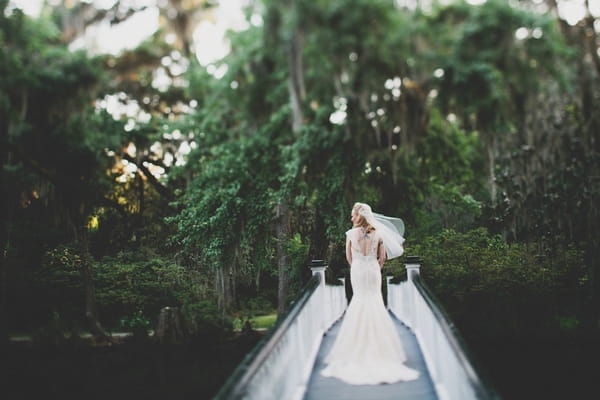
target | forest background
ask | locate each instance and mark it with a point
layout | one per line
(150, 177)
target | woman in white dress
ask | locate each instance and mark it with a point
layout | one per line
(368, 350)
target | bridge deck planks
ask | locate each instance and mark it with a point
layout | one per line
(320, 387)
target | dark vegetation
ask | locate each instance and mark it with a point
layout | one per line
(127, 370)
(478, 125)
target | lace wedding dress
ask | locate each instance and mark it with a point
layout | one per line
(367, 350)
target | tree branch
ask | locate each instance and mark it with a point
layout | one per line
(160, 188)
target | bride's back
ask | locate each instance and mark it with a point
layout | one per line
(364, 241)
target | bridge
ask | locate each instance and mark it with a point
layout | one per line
(286, 364)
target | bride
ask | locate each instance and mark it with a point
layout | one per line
(368, 350)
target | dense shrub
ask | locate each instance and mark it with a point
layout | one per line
(136, 288)
(58, 282)
(128, 284)
(499, 288)
(138, 324)
(204, 320)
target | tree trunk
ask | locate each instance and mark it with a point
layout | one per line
(220, 288)
(87, 275)
(490, 144)
(3, 287)
(170, 329)
(283, 234)
(139, 218)
(318, 242)
(8, 203)
(257, 281)
(296, 84)
(297, 95)
(225, 287)
(232, 278)
(5, 227)
(160, 188)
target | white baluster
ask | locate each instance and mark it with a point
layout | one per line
(447, 369)
(286, 370)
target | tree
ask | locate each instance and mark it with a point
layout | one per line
(487, 79)
(51, 134)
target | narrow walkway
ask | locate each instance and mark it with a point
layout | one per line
(321, 388)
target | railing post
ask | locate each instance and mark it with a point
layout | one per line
(388, 279)
(318, 267)
(413, 266)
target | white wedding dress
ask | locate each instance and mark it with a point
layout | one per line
(367, 350)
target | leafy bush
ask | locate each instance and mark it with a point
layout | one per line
(203, 319)
(297, 248)
(447, 205)
(503, 288)
(59, 283)
(137, 324)
(127, 284)
(258, 305)
(259, 322)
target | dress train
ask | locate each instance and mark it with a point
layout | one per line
(368, 349)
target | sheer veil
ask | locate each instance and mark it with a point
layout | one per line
(391, 230)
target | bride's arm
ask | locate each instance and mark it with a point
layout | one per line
(381, 251)
(349, 251)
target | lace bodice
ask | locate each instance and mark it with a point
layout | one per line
(363, 243)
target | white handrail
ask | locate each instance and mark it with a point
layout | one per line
(280, 367)
(452, 373)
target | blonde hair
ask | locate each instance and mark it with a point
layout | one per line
(362, 221)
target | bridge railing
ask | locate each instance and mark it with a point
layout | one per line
(279, 367)
(447, 359)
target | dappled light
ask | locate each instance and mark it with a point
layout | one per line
(177, 164)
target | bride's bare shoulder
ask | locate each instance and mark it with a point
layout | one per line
(350, 232)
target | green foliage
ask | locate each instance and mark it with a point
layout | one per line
(131, 283)
(181, 284)
(447, 206)
(137, 324)
(490, 72)
(254, 306)
(560, 200)
(501, 288)
(205, 320)
(49, 127)
(298, 255)
(122, 285)
(463, 82)
(227, 203)
(445, 190)
(260, 322)
(64, 258)
(449, 154)
(135, 287)
(59, 279)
